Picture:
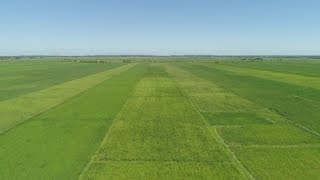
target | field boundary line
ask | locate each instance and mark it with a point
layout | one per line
(306, 99)
(236, 162)
(303, 127)
(156, 160)
(231, 155)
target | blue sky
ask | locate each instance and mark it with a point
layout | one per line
(160, 27)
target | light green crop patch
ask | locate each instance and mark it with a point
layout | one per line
(198, 86)
(17, 110)
(157, 83)
(234, 118)
(300, 80)
(192, 84)
(159, 129)
(207, 96)
(267, 135)
(281, 163)
(161, 170)
(217, 102)
(157, 86)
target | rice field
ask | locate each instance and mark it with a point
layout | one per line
(159, 118)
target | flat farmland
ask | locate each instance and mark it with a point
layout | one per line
(160, 118)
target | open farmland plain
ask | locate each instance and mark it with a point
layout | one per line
(160, 118)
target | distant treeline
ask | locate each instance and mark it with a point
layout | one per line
(97, 61)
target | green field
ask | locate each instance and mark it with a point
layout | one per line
(159, 118)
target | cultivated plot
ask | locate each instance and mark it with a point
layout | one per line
(259, 145)
(59, 143)
(159, 134)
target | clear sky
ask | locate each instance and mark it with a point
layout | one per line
(160, 27)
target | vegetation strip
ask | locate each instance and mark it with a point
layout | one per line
(17, 110)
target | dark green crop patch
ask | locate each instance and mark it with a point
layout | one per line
(234, 118)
